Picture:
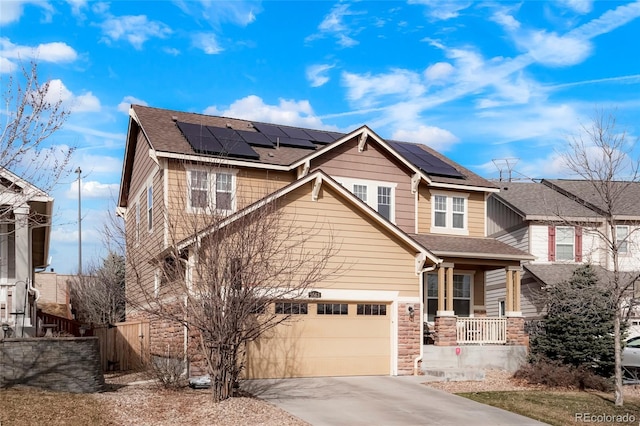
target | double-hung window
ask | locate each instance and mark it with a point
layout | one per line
(211, 191)
(378, 195)
(449, 213)
(622, 234)
(565, 243)
(461, 295)
(150, 207)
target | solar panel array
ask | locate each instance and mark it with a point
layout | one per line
(238, 143)
(425, 161)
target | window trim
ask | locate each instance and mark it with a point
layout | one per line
(625, 241)
(470, 274)
(150, 207)
(212, 194)
(449, 213)
(573, 244)
(372, 193)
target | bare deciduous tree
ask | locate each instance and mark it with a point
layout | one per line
(99, 296)
(222, 280)
(32, 114)
(603, 157)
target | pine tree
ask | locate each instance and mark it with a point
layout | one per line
(579, 324)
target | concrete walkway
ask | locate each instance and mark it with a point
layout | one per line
(377, 400)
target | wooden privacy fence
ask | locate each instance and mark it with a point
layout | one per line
(124, 345)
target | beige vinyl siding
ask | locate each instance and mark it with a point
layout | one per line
(372, 164)
(424, 210)
(476, 214)
(475, 211)
(144, 170)
(254, 184)
(251, 185)
(373, 258)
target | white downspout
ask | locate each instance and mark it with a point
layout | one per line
(419, 358)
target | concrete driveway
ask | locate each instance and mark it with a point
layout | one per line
(377, 400)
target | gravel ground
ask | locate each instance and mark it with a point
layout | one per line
(135, 400)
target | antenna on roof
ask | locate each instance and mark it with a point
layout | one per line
(505, 164)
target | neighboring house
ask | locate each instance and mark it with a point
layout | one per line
(54, 292)
(558, 222)
(25, 226)
(411, 224)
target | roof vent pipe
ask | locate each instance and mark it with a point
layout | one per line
(174, 117)
(277, 141)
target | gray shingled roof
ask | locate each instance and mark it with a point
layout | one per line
(550, 274)
(535, 201)
(159, 125)
(449, 245)
(626, 204)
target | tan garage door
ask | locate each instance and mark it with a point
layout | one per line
(330, 339)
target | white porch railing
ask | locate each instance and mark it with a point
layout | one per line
(481, 331)
(5, 303)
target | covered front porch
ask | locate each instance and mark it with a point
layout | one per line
(454, 292)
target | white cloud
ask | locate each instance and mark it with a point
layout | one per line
(507, 21)
(171, 51)
(366, 88)
(553, 50)
(77, 6)
(85, 102)
(316, 74)
(92, 189)
(207, 42)
(289, 112)
(11, 10)
(438, 72)
(237, 12)
(56, 52)
(435, 137)
(578, 6)
(333, 24)
(127, 101)
(6, 66)
(134, 29)
(443, 9)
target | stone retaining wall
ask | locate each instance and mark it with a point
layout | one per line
(69, 364)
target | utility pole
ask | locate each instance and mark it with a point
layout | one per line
(78, 171)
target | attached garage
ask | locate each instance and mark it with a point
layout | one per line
(325, 338)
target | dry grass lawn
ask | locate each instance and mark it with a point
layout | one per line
(134, 400)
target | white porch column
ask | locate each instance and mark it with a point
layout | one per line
(22, 252)
(512, 308)
(445, 290)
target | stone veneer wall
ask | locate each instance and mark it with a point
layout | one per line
(68, 364)
(516, 335)
(409, 338)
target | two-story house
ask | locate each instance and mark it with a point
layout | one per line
(561, 223)
(25, 226)
(411, 225)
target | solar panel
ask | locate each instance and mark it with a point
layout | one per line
(295, 133)
(205, 144)
(232, 143)
(192, 129)
(335, 135)
(287, 141)
(255, 138)
(425, 161)
(319, 136)
(269, 129)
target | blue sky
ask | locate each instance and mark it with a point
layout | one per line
(478, 81)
